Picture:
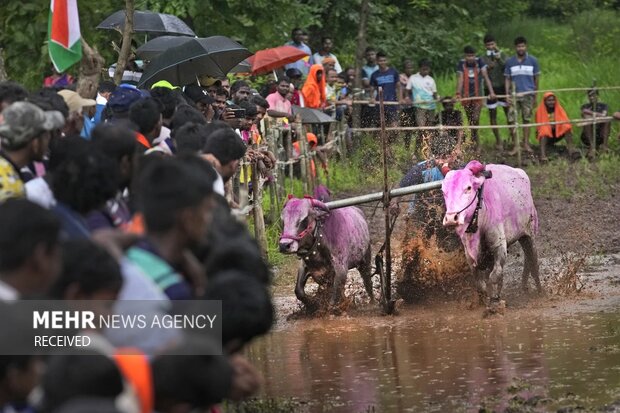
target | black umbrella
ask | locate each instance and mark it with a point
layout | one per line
(181, 65)
(243, 67)
(312, 116)
(148, 22)
(158, 45)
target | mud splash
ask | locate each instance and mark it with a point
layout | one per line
(427, 267)
(545, 354)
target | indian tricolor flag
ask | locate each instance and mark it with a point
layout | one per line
(64, 42)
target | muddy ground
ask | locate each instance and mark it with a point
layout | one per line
(576, 237)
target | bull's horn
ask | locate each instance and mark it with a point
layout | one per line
(475, 167)
(318, 204)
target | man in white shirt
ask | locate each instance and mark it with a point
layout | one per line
(423, 95)
(325, 51)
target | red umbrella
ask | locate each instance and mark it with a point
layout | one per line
(264, 61)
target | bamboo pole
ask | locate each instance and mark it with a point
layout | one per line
(289, 157)
(280, 188)
(594, 104)
(388, 304)
(257, 209)
(303, 153)
(273, 181)
(515, 107)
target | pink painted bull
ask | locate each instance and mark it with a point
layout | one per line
(329, 243)
(491, 208)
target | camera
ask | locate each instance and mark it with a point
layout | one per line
(239, 113)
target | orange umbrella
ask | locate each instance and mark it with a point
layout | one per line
(264, 61)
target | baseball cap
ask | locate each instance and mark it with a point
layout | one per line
(21, 122)
(165, 84)
(74, 101)
(198, 94)
(122, 98)
(207, 81)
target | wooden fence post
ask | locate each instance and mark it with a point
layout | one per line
(303, 159)
(274, 174)
(257, 209)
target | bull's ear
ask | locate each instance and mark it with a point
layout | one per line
(475, 167)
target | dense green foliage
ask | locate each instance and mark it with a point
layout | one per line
(435, 29)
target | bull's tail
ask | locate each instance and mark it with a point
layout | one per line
(534, 221)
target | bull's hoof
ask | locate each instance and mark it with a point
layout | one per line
(311, 306)
(334, 310)
(477, 300)
(495, 307)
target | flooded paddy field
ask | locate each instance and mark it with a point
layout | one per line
(544, 354)
(559, 352)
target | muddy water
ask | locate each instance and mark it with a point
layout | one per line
(451, 363)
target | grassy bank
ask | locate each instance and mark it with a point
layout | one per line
(571, 55)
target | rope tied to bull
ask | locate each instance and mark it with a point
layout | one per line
(315, 229)
(472, 228)
(316, 243)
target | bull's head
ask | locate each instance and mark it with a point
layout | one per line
(299, 217)
(460, 189)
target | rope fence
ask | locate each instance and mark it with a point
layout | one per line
(579, 122)
(465, 99)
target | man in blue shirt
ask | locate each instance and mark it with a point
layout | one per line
(389, 79)
(522, 70)
(297, 41)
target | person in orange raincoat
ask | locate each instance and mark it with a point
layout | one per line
(314, 89)
(313, 143)
(550, 110)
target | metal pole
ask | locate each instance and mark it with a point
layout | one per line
(377, 196)
(388, 305)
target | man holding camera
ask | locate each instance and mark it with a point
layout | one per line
(495, 61)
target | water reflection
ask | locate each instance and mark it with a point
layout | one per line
(448, 364)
